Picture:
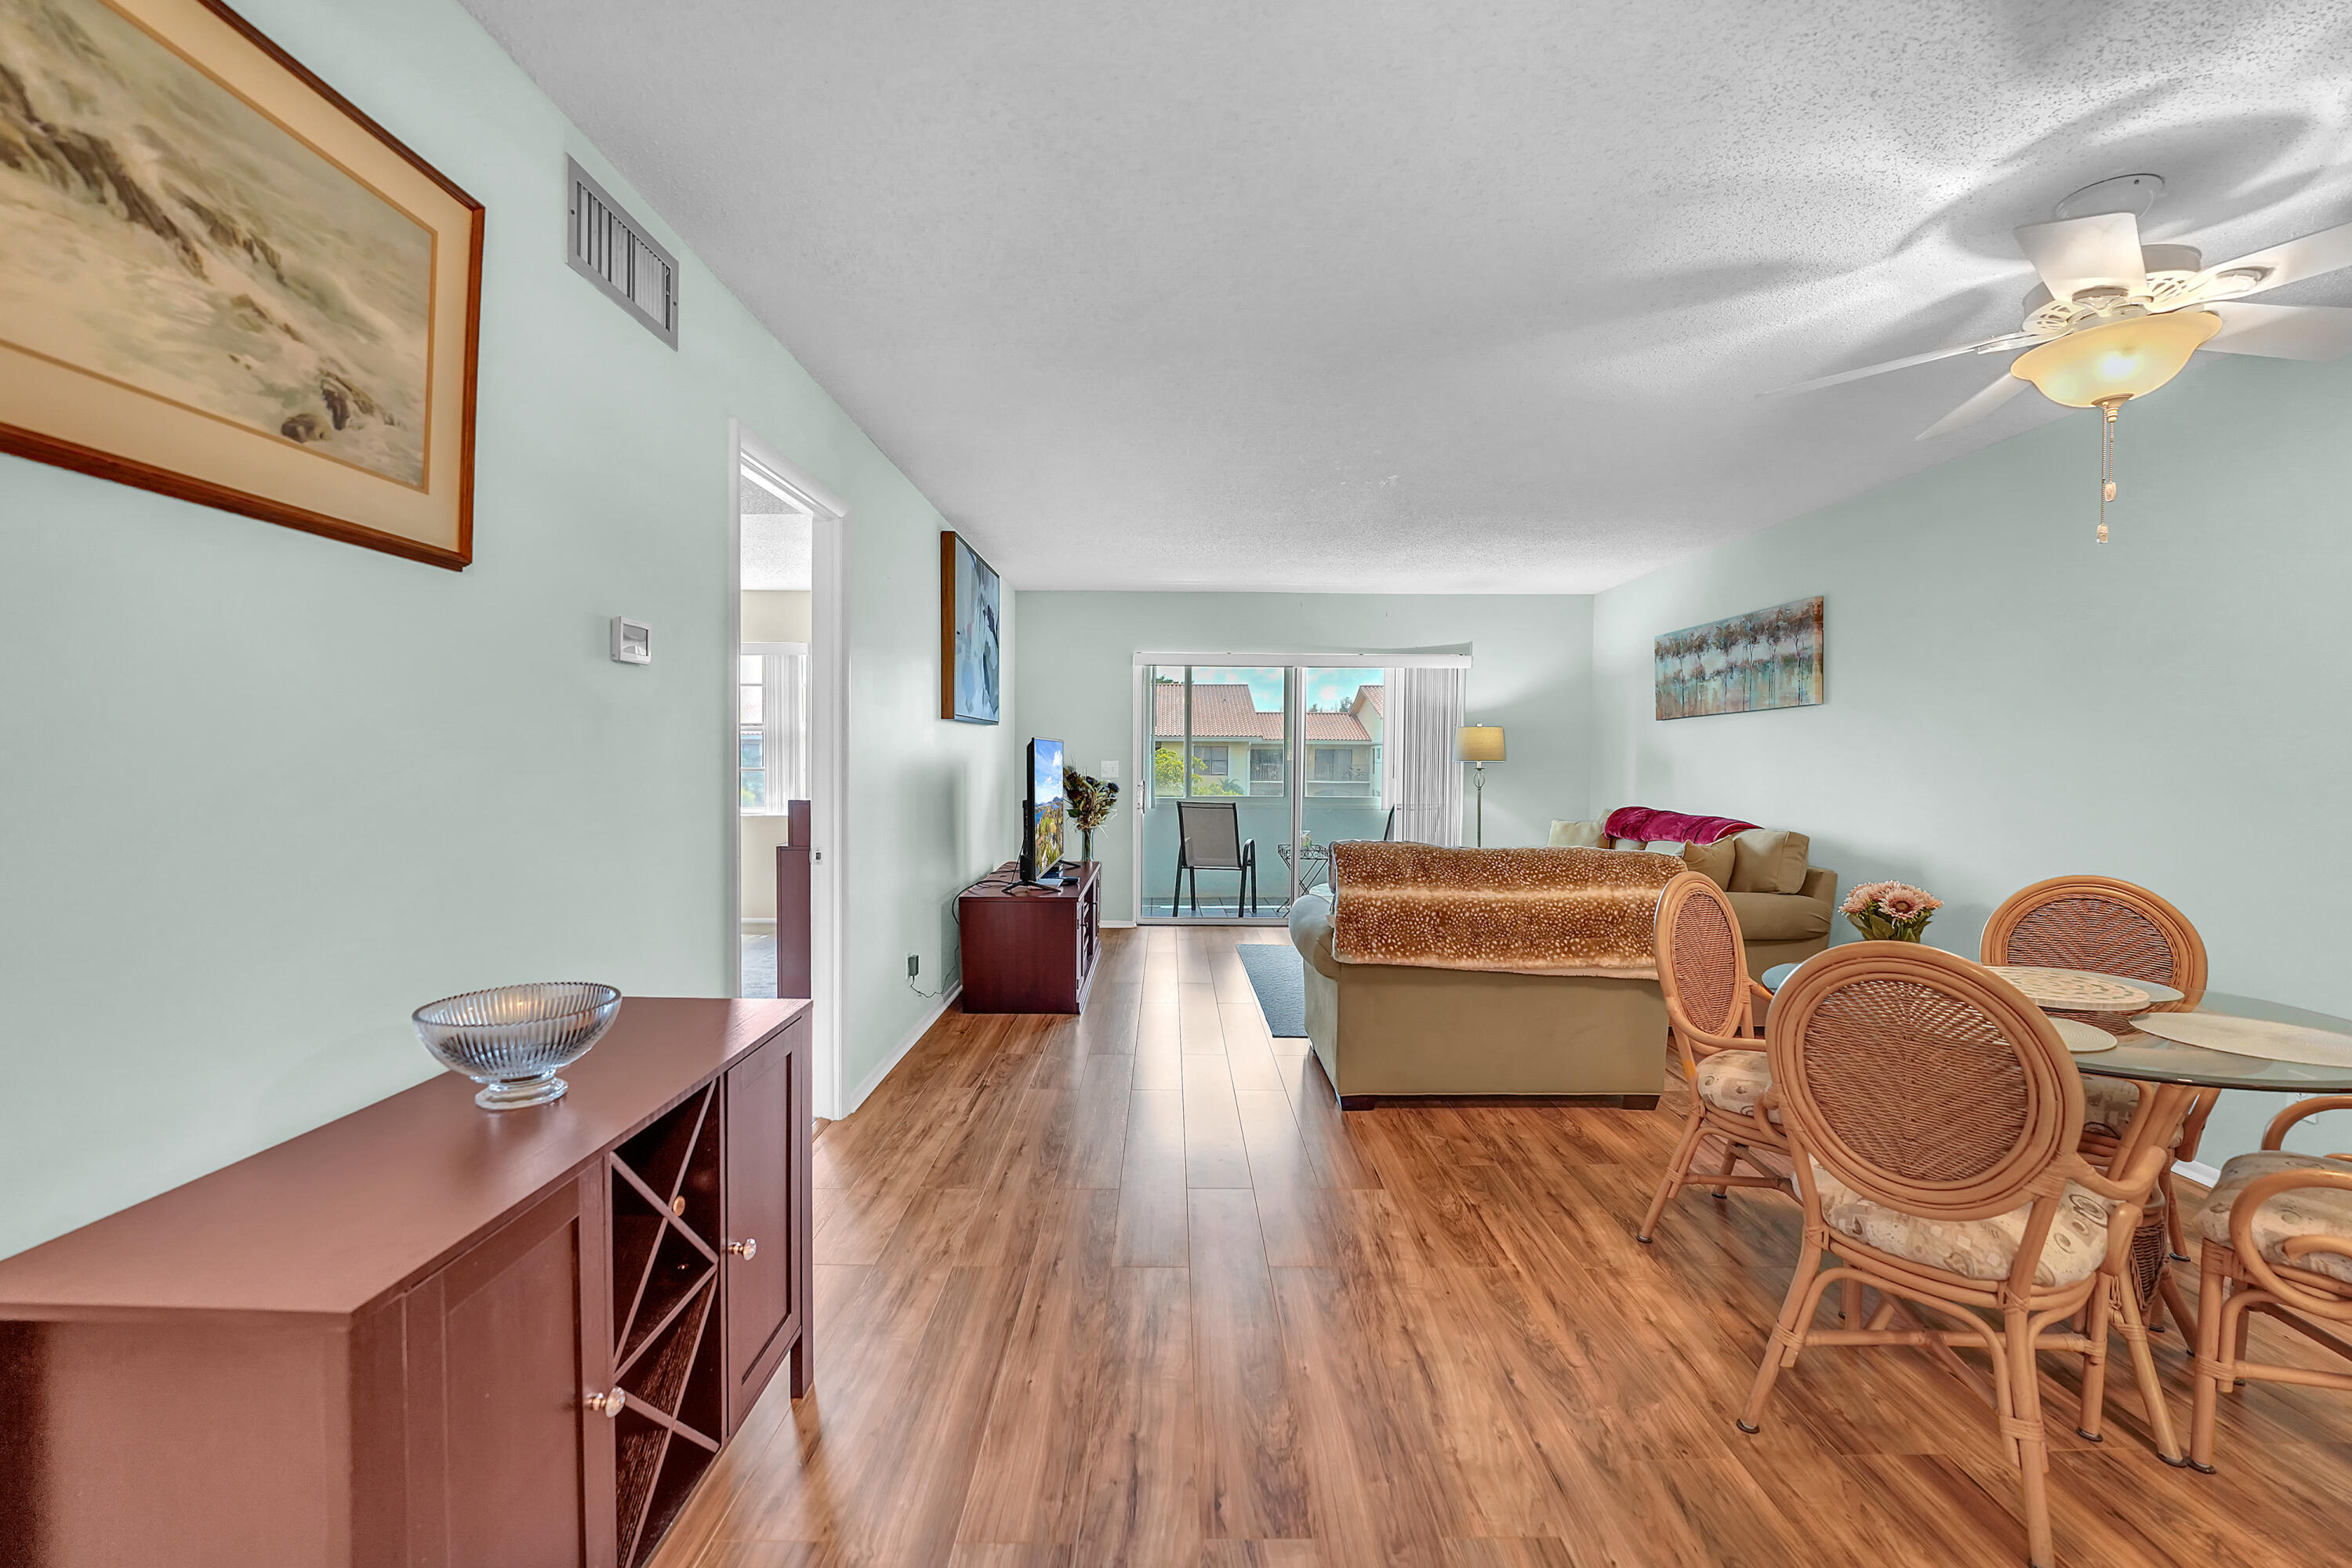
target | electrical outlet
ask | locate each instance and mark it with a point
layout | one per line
(1110, 772)
(914, 964)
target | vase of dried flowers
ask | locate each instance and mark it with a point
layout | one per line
(1891, 912)
(1092, 800)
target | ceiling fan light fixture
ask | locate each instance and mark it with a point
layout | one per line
(2106, 364)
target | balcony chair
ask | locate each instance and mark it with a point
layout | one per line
(1314, 863)
(1209, 838)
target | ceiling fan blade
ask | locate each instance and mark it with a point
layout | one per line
(2282, 331)
(2296, 260)
(1976, 408)
(2007, 340)
(2077, 253)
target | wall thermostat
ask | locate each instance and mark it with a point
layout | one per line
(633, 641)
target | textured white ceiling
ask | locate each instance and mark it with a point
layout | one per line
(1375, 294)
(778, 541)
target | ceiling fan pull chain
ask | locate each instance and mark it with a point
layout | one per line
(2107, 463)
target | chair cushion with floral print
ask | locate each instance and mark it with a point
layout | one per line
(1734, 1080)
(1975, 1248)
(2300, 1211)
(2111, 1102)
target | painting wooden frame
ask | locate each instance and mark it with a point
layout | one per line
(221, 281)
(972, 651)
(1743, 664)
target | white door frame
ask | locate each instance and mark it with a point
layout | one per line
(828, 745)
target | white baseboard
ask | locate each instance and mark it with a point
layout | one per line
(2204, 1176)
(1118, 925)
(898, 1053)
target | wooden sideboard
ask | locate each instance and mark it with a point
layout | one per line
(1028, 949)
(425, 1334)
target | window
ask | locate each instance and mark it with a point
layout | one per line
(1265, 770)
(771, 726)
(1215, 761)
(1339, 770)
(751, 708)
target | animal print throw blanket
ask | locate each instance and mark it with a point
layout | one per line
(1519, 912)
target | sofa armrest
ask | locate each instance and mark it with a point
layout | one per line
(1821, 882)
(1310, 933)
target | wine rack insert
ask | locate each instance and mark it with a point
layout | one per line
(663, 1197)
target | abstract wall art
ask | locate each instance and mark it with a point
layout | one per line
(1765, 658)
(221, 281)
(971, 650)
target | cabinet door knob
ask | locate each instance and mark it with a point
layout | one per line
(611, 1405)
(747, 1249)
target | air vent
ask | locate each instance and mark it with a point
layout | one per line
(612, 250)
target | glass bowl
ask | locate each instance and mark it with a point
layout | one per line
(514, 1039)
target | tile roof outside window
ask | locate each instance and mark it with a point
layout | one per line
(1225, 712)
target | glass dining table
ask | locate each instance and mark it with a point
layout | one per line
(2175, 1074)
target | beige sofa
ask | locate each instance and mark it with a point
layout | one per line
(1786, 928)
(1778, 928)
(1382, 1030)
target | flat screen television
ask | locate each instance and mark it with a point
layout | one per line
(1042, 812)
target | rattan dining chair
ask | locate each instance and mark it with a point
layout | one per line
(1703, 973)
(2111, 927)
(1933, 1115)
(2278, 1240)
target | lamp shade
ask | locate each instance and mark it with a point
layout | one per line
(1478, 743)
(2123, 359)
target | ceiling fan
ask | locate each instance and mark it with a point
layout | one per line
(2116, 319)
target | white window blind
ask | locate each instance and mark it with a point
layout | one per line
(772, 743)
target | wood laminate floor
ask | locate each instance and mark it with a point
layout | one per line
(1130, 1289)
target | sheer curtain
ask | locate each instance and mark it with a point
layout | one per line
(1418, 771)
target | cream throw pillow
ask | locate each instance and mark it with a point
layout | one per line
(1769, 860)
(1713, 861)
(1578, 836)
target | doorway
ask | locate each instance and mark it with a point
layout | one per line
(776, 547)
(787, 744)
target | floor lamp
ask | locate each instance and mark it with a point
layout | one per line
(1480, 745)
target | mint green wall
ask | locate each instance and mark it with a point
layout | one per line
(1530, 673)
(265, 794)
(2008, 701)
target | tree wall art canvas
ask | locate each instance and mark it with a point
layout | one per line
(1765, 658)
(971, 657)
(220, 280)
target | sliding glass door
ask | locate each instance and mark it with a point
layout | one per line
(1219, 807)
(1342, 793)
(1254, 771)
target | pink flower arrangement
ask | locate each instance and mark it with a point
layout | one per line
(1891, 912)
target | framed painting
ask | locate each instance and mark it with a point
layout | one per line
(221, 281)
(1765, 658)
(970, 658)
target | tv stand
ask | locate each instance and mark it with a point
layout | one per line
(1031, 948)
